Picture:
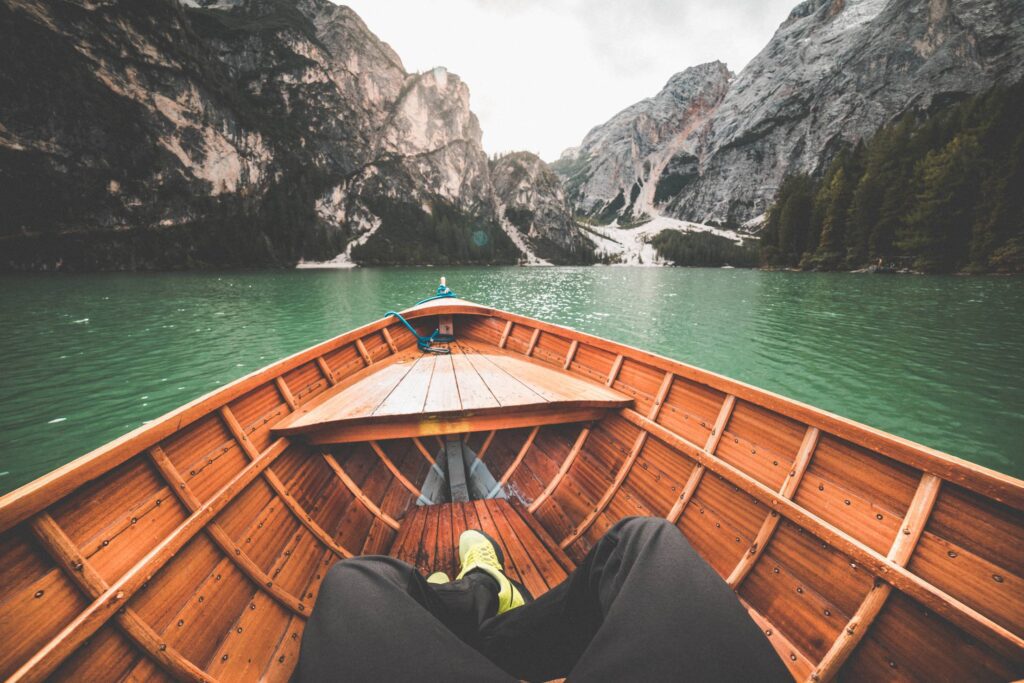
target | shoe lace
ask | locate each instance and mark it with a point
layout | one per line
(483, 553)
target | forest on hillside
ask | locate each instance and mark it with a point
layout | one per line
(705, 249)
(444, 235)
(941, 194)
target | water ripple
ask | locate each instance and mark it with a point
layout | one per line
(939, 360)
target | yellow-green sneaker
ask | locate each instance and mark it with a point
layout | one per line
(438, 577)
(477, 550)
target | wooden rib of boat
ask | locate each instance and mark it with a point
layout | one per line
(194, 547)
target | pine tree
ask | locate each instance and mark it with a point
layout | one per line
(944, 192)
(863, 217)
(795, 220)
(832, 242)
(786, 235)
(894, 176)
(937, 229)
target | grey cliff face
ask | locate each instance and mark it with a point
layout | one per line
(613, 173)
(835, 71)
(531, 198)
(426, 148)
(228, 132)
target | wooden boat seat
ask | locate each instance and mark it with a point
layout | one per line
(472, 389)
(429, 539)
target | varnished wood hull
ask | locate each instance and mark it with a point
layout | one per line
(194, 547)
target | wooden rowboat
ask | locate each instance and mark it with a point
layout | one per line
(194, 547)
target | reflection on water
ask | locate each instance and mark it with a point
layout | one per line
(939, 360)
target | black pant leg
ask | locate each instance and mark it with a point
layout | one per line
(642, 606)
(377, 618)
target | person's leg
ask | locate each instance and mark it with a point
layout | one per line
(377, 618)
(642, 606)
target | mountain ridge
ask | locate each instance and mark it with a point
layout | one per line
(834, 72)
(233, 133)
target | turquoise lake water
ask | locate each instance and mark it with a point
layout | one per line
(939, 360)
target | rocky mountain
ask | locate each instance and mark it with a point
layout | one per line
(232, 132)
(532, 200)
(834, 72)
(614, 172)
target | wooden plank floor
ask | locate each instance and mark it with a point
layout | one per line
(429, 537)
(472, 381)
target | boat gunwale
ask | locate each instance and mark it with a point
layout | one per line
(996, 485)
(20, 504)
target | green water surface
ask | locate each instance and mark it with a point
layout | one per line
(939, 360)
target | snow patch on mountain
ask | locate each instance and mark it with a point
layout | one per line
(632, 246)
(344, 259)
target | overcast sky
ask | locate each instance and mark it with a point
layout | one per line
(541, 73)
